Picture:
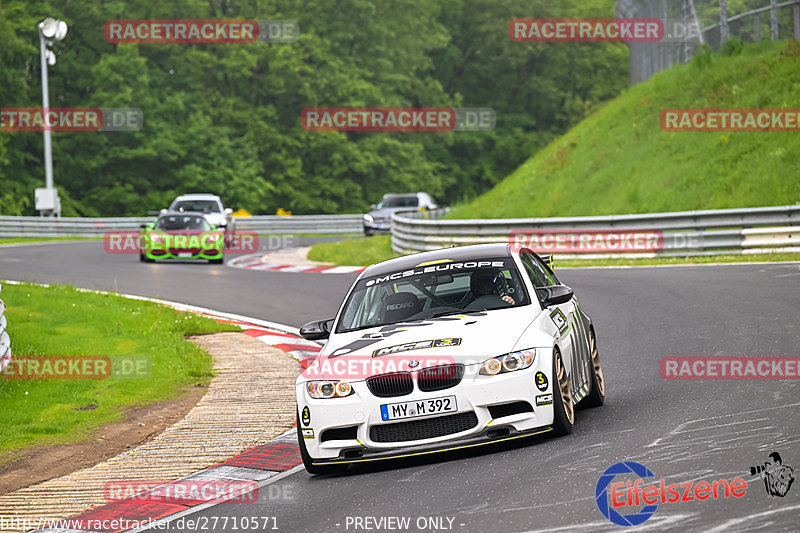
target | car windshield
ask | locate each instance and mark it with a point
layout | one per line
(398, 201)
(431, 290)
(182, 222)
(201, 206)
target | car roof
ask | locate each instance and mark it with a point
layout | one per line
(181, 214)
(196, 196)
(460, 253)
(401, 195)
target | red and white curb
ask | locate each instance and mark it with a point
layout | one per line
(304, 351)
(263, 464)
(256, 262)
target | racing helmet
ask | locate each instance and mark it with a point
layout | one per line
(491, 279)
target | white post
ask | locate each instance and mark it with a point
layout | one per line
(48, 155)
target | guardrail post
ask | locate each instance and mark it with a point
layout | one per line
(773, 19)
(5, 341)
(796, 11)
(723, 22)
(757, 27)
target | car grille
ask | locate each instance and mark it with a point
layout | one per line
(388, 385)
(423, 429)
(176, 251)
(439, 377)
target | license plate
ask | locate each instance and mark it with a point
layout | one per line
(184, 254)
(432, 406)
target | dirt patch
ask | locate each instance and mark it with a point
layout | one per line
(139, 425)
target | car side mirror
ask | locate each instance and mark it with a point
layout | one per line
(557, 294)
(373, 206)
(228, 211)
(317, 330)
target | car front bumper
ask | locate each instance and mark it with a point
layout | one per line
(379, 226)
(157, 253)
(489, 397)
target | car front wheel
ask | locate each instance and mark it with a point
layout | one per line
(563, 408)
(597, 395)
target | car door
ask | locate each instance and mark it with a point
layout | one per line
(566, 318)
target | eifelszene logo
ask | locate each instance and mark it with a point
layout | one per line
(625, 495)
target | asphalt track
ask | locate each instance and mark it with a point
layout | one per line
(681, 430)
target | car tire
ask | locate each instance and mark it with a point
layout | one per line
(597, 395)
(141, 257)
(563, 408)
(217, 261)
(147, 259)
(307, 461)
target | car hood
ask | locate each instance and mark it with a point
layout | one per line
(386, 212)
(468, 339)
(218, 219)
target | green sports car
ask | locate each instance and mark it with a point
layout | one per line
(181, 236)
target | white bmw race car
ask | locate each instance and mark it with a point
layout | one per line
(446, 350)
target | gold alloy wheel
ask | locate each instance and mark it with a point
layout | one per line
(566, 393)
(598, 370)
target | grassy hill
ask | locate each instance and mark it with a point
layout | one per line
(619, 160)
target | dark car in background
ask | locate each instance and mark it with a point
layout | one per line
(378, 220)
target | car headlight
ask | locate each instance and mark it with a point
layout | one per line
(329, 389)
(368, 218)
(509, 362)
(156, 237)
(212, 238)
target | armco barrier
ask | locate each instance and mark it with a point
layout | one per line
(5, 341)
(686, 233)
(95, 227)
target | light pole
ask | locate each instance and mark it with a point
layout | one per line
(47, 201)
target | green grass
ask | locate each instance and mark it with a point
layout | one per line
(18, 240)
(618, 160)
(59, 320)
(355, 252)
